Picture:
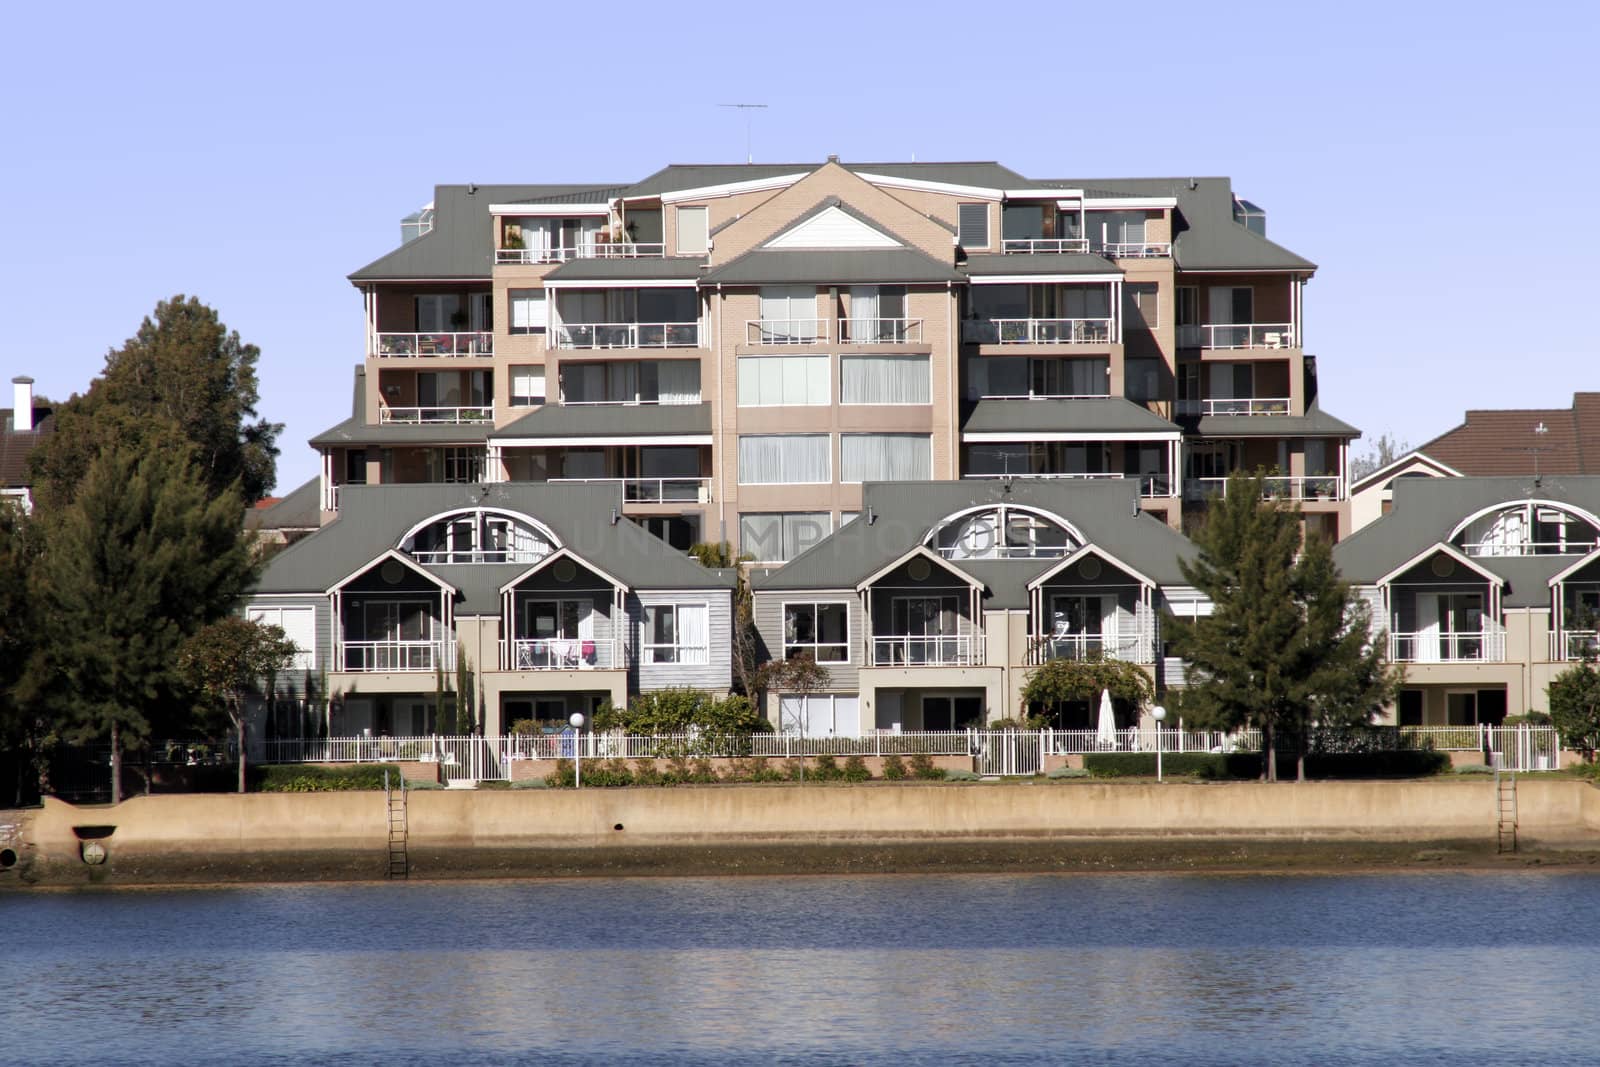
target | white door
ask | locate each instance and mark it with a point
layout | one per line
(1426, 645)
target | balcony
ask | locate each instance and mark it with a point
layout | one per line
(1256, 405)
(1483, 646)
(405, 657)
(1570, 645)
(1038, 331)
(654, 490)
(432, 345)
(1028, 246)
(1238, 335)
(628, 335)
(434, 416)
(879, 331)
(1499, 548)
(558, 654)
(535, 256)
(1279, 487)
(1150, 485)
(1136, 250)
(1129, 646)
(924, 650)
(786, 331)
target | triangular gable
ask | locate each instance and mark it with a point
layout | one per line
(1575, 568)
(392, 553)
(561, 553)
(1454, 553)
(1395, 467)
(920, 550)
(1090, 550)
(833, 227)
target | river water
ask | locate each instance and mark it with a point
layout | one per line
(1082, 969)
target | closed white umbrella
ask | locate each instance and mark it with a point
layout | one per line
(1106, 732)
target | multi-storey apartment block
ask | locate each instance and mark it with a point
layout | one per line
(742, 348)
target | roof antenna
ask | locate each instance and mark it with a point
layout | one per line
(747, 108)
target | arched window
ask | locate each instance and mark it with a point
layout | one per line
(479, 535)
(1528, 528)
(1008, 531)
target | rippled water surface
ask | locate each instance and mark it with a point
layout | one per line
(1112, 969)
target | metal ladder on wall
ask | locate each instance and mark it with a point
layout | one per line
(399, 860)
(1505, 799)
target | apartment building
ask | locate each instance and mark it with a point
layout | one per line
(742, 348)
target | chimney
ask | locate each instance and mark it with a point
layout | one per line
(22, 393)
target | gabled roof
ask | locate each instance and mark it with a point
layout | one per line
(1501, 442)
(17, 445)
(560, 553)
(1582, 562)
(403, 559)
(918, 552)
(461, 243)
(1088, 550)
(1443, 548)
(1023, 418)
(1386, 471)
(678, 177)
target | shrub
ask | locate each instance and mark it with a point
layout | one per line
(322, 778)
(922, 768)
(1474, 768)
(894, 768)
(761, 770)
(1068, 772)
(958, 775)
(703, 773)
(494, 785)
(562, 777)
(1415, 763)
(826, 769)
(424, 784)
(530, 783)
(645, 772)
(855, 770)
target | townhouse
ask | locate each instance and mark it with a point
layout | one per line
(740, 349)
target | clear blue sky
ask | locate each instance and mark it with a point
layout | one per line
(1435, 163)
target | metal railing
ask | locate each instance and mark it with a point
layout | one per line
(786, 331)
(1287, 487)
(1487, 646)
(1044, 245)
(556, 654)
(1150, 485)
(330, 497)
(656, 490)
(1256, 405)
(1038, 331)
(924, 650)
(628, 335)
(434, 557)
(1528, 548)
(429, 345)
(1130, 646)
(1238, 335)
(1136, 249)
(407, 416)
(1574, 645)
(401, 657)
(593, 250)
(880, 331)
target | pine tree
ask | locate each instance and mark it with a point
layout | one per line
(18, 639)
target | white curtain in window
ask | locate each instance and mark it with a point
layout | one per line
(863, 312)
(788, 311)
(679, 381)
(783, 459)
(886, 457)
(692, 634)
(885, 380)
(527, 310)
(766, 381)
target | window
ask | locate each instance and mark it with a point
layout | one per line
(1069, 377)
(456, 465)
(823, 630)
(1188, 305)
(784, 459)
(527, 387)
(631, 382)
(885, 380)
(435, 312)
(1232, 305)
(355, 466)
(789, 314)
(529, 310)
(693, 232)
(481, 314)
(777, 537)
(1001, 533)
(973, 228)
(771, 381)
(820, 714)
(476, 536)
(878, 313)
(847, 517)
(885, 457)
(676, 633)
(299, 625)
(1139, 306)
(1142, 379)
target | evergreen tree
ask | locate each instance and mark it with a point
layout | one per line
(18, 553)
(1575, 707)
(143, 557)
(1287, 644)
(184, 374)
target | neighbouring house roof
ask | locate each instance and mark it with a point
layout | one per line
(1427, 510)
(1415, 456)
(17, 445)
(609, 420)
(1106, 512)
(373, 519)
(1023, 416)
(853, 266)
(299, 509)
(1492, 442)
(1314, 423)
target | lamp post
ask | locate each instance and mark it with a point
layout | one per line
(577, 749)
(1158, 713)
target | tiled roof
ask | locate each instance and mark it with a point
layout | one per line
(15, 446)
(1493, 443)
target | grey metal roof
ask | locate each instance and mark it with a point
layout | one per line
(461, 243)
(1314, 423)
(372, 520)
(356, 431)
(1426, 510)
(300, 509)
(610, 420)
(863, 266)
(1037, 263)
(1105, 512)
(575, 194)
(611, 271)
(985, 174)
(677, 177)
(1023, 416)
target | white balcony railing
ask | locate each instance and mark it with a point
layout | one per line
(880, 331)
(1569, 645)
(1256, 405)
(1482, 646)
(596, 250)
(1131, 646)
(923, 650)
(1295, 487)
(434, 556)
(432, 345)
(785, 331)
(1238, 335)
(1136, 249)
(1045, 245)
(1151, 485)
(1038, 331)
(656, 490)
(330, 497)
(628, 335)
(557, 654)
(435, 415)
(1528, 548)
(396, 656)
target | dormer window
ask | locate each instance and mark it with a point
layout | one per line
(478, 536)
(1005, 532)
(1528, 528)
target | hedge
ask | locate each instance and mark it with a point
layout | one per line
(321, 778)
(1214, 766)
